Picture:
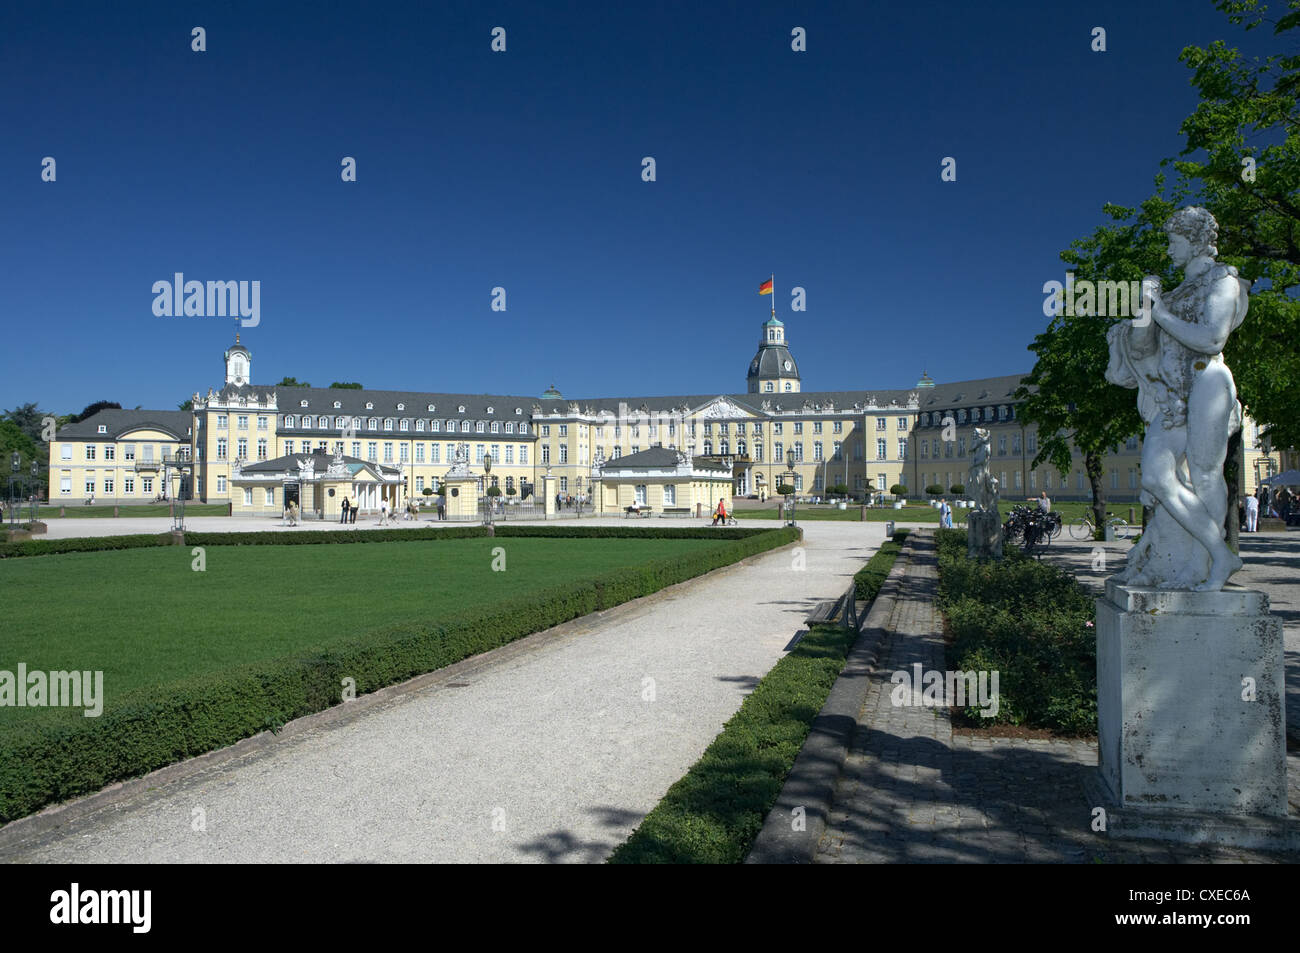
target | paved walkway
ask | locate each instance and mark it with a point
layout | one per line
(912, 791)
(551, 749)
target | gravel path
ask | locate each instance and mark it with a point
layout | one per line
(551, 749)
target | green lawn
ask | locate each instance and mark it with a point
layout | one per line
(49, 511)
(916, 512)
(145, 618)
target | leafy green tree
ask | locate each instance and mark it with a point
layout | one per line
(343, 385)
(92, 409)
(292, 382)
(27, 418)
(187, 404)
(1242, 156)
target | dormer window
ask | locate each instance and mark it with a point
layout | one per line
(322, 422)
(519, 410)
(435, 425)
(491, 410)
(432, 408)
(975, 415)
(302, 403)
(404, 424)
(464, 426)
(419, 425)
(103, 428)
(451, 426)
(388, 423)
(460, 409)
(290, 421)
(479, 427)
(369, 406)
(401, 406)
(337, 404)
(374, 423)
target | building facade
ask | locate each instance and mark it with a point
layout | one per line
(239, 441)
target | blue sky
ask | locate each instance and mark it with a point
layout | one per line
(522, 170)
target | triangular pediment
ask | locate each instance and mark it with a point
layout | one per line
(722, 408)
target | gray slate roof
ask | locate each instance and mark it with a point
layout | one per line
(320, 461)
(657, 458)
(770, 362)
(320, 400)
(117, 422)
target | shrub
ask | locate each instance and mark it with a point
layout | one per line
(428, 491)
(934, 489)
(784, 489)
(1033, 624)
(958, 488)
(494, 491)
(898, 490)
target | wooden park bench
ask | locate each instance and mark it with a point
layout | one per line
(629, 511)
(676, 511)
(844, 608)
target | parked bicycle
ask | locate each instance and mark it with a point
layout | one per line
(1085, 528)
(1030, 526)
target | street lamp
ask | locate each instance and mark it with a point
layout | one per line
(36, 475)
(178, 498)
(13, 503)
(487, 485)
(789, 498)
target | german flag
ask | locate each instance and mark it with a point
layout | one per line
(766, 287)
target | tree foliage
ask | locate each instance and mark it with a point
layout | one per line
(292, 382)
(1242, 157)
(344, 385)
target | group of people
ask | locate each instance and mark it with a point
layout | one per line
(1280, 505)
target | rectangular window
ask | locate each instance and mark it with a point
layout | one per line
(797, 450)
(435, 453)
(65, 485)
(1079, 474)
(1114, 479)
(817, 426)
(90, 484)
(564, 430)
(1002, 445)
(925, 449)
(670, 495)
(546, 430)
(90, 451)
(564, 453)
(221, 421)
(839, 426)
(388, 451)
(902, 449)
(248, 496)
(243, 421)
(510, 453)
(108, 485)
(242, 445)
(372, 451)
(1132, 478)
(128, 485)
(288, 446)
(776, 427)
(1017, 479)
(478, 453)
(564, 484)
(523, 456)
(881, 452)
(261, 423)
(1015, 443)
(1031, 443)
(221, 483)
(881, 423)
(546, 454)
(817, 451)
(404, 424)
(798, 427)
(65, 452)
(779, 456)
(640, 494)
(108, 452)
(221, 448)
(403, 453)
(269, 498)
(902, 424)
(419, 484)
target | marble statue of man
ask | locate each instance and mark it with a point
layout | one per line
(1173, 355)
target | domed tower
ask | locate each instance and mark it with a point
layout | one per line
(773, 370)
(239, 364)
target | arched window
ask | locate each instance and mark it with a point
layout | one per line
(740, 448)
(374, 423)
(290, 421)
(419, 425)
(708, 448)
(724, 447)
(464, 426)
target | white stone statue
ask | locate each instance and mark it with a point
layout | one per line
(984, 524)
(1187, 398)
(460, 462)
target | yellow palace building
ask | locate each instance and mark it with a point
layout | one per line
(258, 446)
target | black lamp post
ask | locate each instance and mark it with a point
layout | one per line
(13, 502)
(789, 499)
(36, 475)
(487, 485)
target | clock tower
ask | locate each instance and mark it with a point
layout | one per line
(773, 370)
(239, 365)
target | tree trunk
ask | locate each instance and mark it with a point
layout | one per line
(1092, 465)
(1232, 466)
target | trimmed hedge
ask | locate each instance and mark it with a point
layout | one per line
(714, 813)
(88, 544)
(868, 580)
(93, 544)
(1032, 623)
(55, 760)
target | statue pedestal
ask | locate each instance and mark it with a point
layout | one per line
(984, 535)
(1191, 716)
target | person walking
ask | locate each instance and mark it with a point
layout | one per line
(720, 513)
(1044, 503)
(346, 506)
(1252, 514)
(945, 514)
(383, 511)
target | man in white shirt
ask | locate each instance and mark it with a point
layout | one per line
(1252, 514)
(1044, 503)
